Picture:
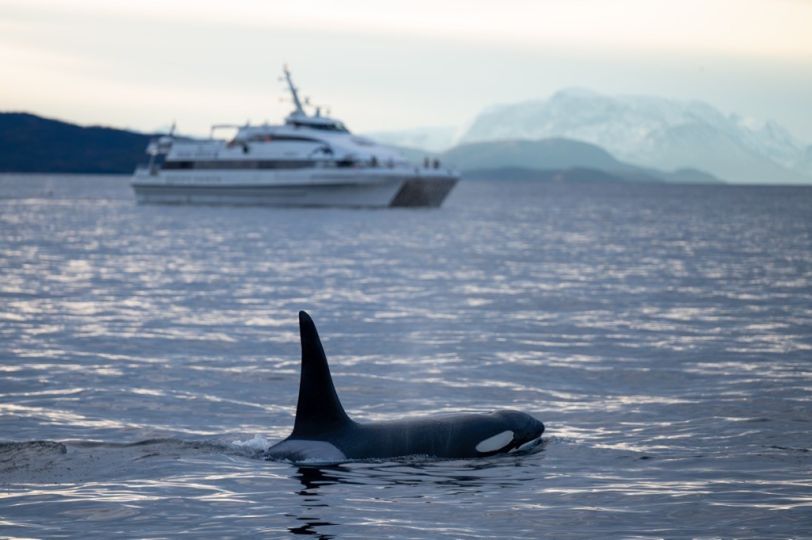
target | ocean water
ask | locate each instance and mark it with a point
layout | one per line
(662, 333)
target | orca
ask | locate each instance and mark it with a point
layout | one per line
(324, 433)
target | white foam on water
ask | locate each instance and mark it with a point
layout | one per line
(259, 443)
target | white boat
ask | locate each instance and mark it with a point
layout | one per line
(310, 160)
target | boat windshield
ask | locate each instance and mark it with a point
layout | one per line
(332, 126)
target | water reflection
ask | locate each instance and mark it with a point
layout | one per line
(312, 479)
(325, 489)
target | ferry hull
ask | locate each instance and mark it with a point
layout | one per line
(379, 193)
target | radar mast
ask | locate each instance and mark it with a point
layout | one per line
(294, 92)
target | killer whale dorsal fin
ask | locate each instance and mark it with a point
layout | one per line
(318, 409)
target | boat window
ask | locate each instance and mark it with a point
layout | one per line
(335, 126)
(278, 138)
(228, 164)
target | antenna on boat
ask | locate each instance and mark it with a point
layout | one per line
(293, 90)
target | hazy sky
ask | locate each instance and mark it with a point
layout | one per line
(385, 65)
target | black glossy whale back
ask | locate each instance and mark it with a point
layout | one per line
(318, 409)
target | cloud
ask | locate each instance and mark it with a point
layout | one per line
(773, 28)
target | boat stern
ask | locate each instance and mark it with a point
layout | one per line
(424, 191)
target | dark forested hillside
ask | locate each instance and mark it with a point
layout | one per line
(29, 143)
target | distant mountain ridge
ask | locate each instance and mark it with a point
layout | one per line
(553, 153)
(655, 132)
(30, 143)
(647, 131)
(524, 159)
(433, 138)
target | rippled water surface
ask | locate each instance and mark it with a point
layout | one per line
(662, 333)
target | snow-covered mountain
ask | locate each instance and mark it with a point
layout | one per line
(433, 139)
(654, 132)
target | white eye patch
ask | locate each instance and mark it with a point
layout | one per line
(497, 442)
